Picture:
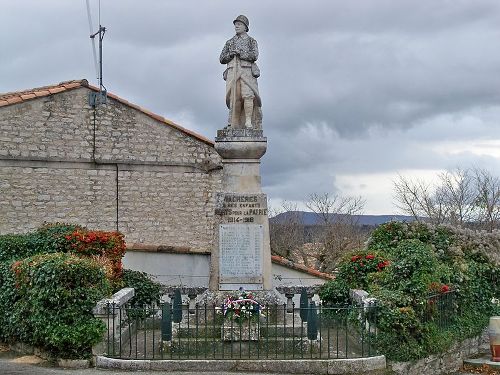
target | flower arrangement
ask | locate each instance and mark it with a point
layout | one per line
(242, 308)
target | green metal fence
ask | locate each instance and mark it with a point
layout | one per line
(442, 308)
(173, 331)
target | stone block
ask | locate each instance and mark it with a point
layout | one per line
(73, 363)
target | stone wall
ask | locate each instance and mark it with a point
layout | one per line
(32, 195)
(134, 173)
(444, 363)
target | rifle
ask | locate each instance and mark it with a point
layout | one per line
(236, 76)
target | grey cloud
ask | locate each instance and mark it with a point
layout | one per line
(348, 87)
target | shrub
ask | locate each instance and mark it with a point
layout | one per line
(335, 292)
(66, 238)
(387, 237)
(47, 300)
(50, 279)
(360, 266)
(110, 245)
(414, 269)
(50, 238)
(147, 291)
(423, 260)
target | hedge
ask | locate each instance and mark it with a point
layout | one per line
(46, 300)
(107, 248)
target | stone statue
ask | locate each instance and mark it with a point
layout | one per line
(242, 93)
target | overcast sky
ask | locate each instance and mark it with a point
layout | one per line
(354, 92)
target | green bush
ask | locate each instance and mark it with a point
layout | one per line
(47, 300)
(335, 292)
(424, 260)
(109, 247)
(360, 267)
(388, 236)
(414, 267)
(50, 238)
(147, 291)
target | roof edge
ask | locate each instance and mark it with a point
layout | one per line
(301, 268)
(167, 249)
(156, 117)
(11, 98)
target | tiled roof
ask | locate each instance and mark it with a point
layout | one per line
(25, 95)
(299, 267)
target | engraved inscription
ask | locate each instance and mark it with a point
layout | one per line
(240, 258)
(241, 208)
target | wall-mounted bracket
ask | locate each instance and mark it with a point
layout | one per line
(97, 98)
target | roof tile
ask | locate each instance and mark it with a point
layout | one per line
(71, 85)
(14, 99)
(55, 90)
(40, 93)
(28, 96)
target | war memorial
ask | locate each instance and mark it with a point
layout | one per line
(242, 258)
(195, 207)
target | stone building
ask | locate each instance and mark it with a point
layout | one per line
(116, 167)
(113, 167)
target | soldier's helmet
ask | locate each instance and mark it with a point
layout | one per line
(242, 19)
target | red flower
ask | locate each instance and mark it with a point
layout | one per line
(355, 258)
(445, 288)
(370, 256)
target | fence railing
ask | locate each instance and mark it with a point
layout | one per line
(276, 332)
(442, 308)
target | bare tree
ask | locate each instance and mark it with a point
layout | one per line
(335, 207)
(339, 232)
(465, 197)
(287, 234)
(420, 200)
(488, 199)
(459, 195)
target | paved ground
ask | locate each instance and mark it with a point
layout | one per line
(11, 364)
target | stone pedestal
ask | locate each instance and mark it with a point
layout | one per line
(242, 254)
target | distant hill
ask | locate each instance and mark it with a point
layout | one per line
(310, 218)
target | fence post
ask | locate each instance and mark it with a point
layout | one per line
(312, 322)
(289, 302)
(177, 315)
(303, 305)
(166, 322)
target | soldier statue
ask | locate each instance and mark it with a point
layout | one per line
(242, 92)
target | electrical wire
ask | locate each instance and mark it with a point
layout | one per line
(94, 53)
